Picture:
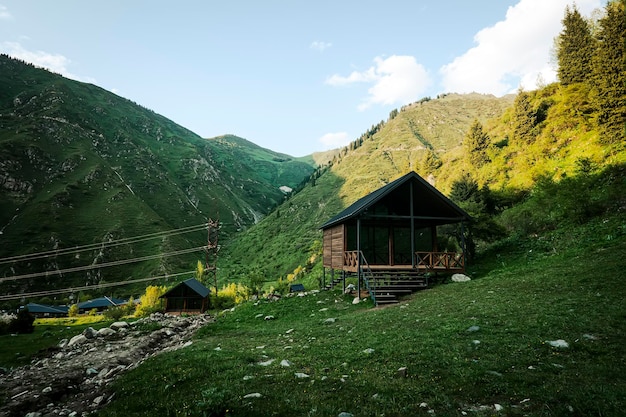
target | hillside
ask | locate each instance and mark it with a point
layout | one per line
(287, 238)
(562, 146)
(537, 332)
(80, 165)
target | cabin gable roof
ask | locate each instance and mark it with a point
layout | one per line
(191, 284)
(428, 202)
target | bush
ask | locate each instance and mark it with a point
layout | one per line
(150, 301)
(73, 311)
(23, 322)
(5, 321)
(115, 313)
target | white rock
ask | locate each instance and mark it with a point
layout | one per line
(285, 363)
(119, 325)
(269, 317)
(356, 300)
(560, 343)
(252, 395)
(423, 405)
(218, 348)
(258, 316)
(267, 362)
(369, 351)
(460, 278)
(344, 414)
(247, 377)
(473, 328)
(302, 375)
(498, 407)
(106, 331)
(330, 320)
(77, 340)
(289, 331)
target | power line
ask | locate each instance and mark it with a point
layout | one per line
(112, 243)
(98, 266)
(86, 288)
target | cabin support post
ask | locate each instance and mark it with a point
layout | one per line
(358, 257)
(323, 277)
(412, 226)
(463, 248)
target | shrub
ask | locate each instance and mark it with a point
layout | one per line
(5, 320)
(115, 313)
(73, 311)
(23, 322)
(150, 301)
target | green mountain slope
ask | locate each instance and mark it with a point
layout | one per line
(562, 146)
(80, 165)
(287, 238)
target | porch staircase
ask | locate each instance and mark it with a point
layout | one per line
(385, 286)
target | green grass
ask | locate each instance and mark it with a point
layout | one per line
(525, 293)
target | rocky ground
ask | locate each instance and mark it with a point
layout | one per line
(73, 378)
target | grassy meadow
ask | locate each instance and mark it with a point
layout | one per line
(477, 348)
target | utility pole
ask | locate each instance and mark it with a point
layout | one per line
(212, 248)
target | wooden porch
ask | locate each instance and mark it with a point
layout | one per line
(453, 262)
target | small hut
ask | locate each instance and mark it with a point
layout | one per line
(43, 310)
(390, 237)
(189, 296)
(100, 304)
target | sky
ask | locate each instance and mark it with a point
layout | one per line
(295, 77)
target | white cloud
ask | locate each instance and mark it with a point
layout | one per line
(53, 62)
(513, 52)
(397, 79)
(320, 46)
(334, 140)
(4, 13)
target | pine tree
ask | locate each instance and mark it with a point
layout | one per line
(524, 119)
(430, 162)
(575, 47)
(609, 74)
(475, 145)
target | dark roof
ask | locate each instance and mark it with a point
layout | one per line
(101, 303)
(42, 308)
(193, 284)
(429, 201)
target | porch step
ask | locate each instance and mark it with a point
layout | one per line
(386, 299)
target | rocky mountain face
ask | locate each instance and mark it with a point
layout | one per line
(80, 165)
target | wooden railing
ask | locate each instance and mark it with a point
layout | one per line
(440, 261)
(351, 259)
(429, 261)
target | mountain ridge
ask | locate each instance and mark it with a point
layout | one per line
(79, 164)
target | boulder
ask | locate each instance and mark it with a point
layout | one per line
(119, 325)
(77, 340)
(90, 333)
(106, 331)
(460, 278)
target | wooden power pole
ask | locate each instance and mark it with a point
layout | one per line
(212, 248)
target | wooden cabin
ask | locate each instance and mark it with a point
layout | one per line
(390, 236)
(189, 297)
